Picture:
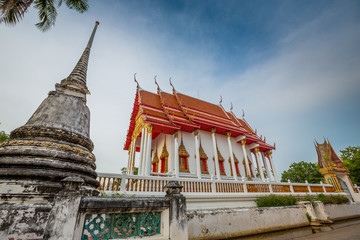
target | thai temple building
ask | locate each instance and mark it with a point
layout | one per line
(333, 170)
(172, 134)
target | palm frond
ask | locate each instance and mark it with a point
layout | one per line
(47, 14)
(79, 5)
(12, 11)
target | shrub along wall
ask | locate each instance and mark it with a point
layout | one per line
(276, 201)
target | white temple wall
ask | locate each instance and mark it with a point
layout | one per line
(137, 154)
(237, 150)
(170, 147)
(207, 145)
(189, 143)
(222, 144)
(158, 143)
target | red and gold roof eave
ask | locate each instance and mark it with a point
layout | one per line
(178, 118)
(132, 121)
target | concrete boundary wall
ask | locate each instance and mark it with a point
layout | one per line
(228, 223)
(343, 211)
(220, 224)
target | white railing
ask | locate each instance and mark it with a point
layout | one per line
(131, 184)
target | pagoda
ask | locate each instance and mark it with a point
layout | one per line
(55, 142)
(333, 169)
(172, 134)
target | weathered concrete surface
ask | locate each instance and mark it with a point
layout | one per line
(23, 221)
(62, 218)
(220, 224)
(122, 204)
(178, 217)
(62, 111)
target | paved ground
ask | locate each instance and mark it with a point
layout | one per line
(345, 233)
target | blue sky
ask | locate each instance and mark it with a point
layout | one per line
(293, 66)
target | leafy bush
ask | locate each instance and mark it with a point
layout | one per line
(333, 199)
(275, 201)
(309, 198)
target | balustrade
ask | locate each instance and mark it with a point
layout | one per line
(329, 189)
(155, 184)
(281, 188)
(300, 189)
(317, 189)
(254, 187)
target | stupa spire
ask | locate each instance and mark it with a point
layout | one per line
(75, 83)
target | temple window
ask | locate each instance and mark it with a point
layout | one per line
(155, 162)
(236, 166)
(164, 159)
(250, 166)
(221, 162)
(183, 158)
(203, 161)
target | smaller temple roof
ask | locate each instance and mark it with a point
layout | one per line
(327, 157)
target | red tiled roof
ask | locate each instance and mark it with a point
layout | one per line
(201, 105)
(169, 112)
(150, 99)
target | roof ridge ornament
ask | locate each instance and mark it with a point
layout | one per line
(220, 100)
(231, 108)
(172, 84)
(243, 115)
(158, 87)
(137, 83)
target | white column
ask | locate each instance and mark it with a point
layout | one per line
(133, 157)
(143, 168)
(143, 159)
(256, 151)
(266, 166)
(273, 167)
(176, 154)
(243, 142)
(141, 152)
(231, 155)
(217, 168)
(148, 155)
(129, 159)
(197, 154)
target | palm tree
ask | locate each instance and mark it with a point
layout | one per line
(12, 11)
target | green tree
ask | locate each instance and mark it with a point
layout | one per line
(301, 171)
(351, 160)
(12, 11)
(3, 136)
